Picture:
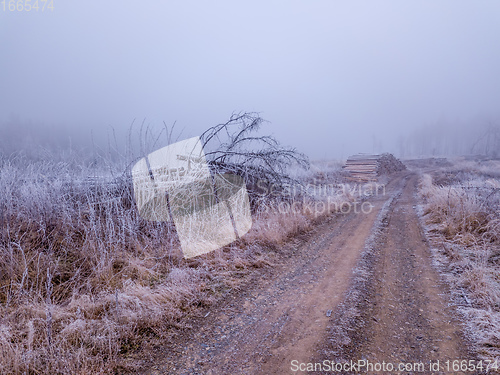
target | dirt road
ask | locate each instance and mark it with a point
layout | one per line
(360, 287)
(410, 318)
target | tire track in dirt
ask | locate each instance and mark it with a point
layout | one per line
(409, 296)
(405, 314)
(412, 319)
(283, 316)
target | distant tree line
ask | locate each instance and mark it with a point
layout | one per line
(446, 139)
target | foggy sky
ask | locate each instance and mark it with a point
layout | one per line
(332, 77)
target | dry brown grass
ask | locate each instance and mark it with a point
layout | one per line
(462, 218)
(84, 279)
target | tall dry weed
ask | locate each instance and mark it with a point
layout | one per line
(463, 218)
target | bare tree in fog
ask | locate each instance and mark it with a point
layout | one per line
(488, 143)
(236, 147)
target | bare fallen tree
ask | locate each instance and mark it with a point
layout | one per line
(236, 147)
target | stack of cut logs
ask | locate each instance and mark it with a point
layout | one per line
(362, 167)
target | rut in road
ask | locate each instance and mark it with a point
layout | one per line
(404, 315)
(283, 316)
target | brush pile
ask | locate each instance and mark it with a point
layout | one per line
(388, 164)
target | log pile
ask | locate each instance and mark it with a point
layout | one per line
(362, 168)
(366, 168)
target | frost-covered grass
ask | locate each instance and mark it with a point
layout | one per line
(462, 214)
(84, 279)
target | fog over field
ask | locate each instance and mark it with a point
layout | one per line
(182, 189)
(332, 77)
